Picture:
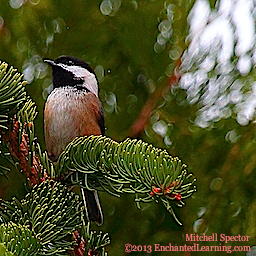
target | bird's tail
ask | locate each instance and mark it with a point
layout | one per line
(92, 206)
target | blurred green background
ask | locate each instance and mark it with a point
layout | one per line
(136, 48)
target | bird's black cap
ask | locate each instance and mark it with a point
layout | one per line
(69, 61)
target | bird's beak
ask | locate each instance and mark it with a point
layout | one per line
(50, 62)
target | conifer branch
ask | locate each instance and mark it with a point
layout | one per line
(91, 242)
(51, 212)
(131, 166)
(18, 240)
(18, 111)
(12, 93)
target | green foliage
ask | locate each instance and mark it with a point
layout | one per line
(96, 240)
(5, 154)
(120, 47)
(51, 212)
(132, 166)
(3, 250)
(18, 240)
(17, 106)
(20, 113)
(12, 92)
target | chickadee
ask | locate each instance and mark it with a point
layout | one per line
(73, 109)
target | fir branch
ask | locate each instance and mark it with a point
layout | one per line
(4, 251)
(18, 147)
(52, 214)
(131, 166)
(91, 243)
(12, 93)
(17, 139)
(18, 240)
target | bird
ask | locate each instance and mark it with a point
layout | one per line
(73, 109)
